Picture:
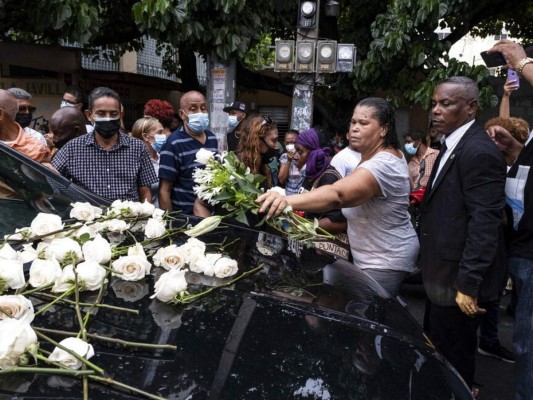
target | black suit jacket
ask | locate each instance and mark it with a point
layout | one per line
(461, 235)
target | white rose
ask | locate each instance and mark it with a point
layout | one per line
(193, 246)
(84, 230)
(131, 268)
(16, 306)
(170, 257)
(20, 234)
(154, 228)
(203, 156)
(209, 263)
(7, 252)
(146, 209)
(277, 189)
(169, 285)
(65, 281)
(12, 274)
(43, 224)
(91, 274)
(98, 250)
(41, 247)
(225, 267)
(15, 337)
(136, 250)
(44, 272)
(129, 291)
(197, 262)
(28, 253)
(62, 249)
(78, 346)
(158, 214)
(85, 211)
(116, 225)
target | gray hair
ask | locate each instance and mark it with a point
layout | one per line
(20, 94)
(469, 86)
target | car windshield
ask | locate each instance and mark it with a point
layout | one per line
(27, 187)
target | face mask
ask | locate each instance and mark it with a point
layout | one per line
(65, 103)
(198, 122)
(233, 121)
(159, 142)
(410, 149)
(24, 120)
(290, 148)
(107, 127)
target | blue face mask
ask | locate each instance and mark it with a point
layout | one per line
(233, 121)
(410, 149)
(198, 122)
(159, 142)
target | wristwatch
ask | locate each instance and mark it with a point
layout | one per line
(521, 64)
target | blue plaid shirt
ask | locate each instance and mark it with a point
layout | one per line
(177, 165)
(117, 173)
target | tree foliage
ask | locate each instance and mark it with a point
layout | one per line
(397, 47)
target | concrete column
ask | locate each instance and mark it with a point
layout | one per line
(220, 92)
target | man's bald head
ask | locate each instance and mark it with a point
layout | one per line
(193, 95)
(8, 103)
(66, 124)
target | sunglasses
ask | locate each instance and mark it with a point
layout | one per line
(27, 109)
(267, 120)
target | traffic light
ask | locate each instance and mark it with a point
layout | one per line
(345, 57)
(307, 13)
(305, 56)
(326, 56)
(284, 56)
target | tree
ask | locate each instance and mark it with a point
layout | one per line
(398, 50)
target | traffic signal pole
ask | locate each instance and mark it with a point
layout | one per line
(302, 96)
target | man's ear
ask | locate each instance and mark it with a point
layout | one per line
(472, 107)
(88, 115)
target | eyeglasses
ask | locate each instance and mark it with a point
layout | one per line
(27, 109)
(267, 120)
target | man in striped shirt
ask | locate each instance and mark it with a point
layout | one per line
(177, 164)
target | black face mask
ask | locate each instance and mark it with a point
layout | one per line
(24, 120)
(267, 157)
(107, 128)
(60, 143)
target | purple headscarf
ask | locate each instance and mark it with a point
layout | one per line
(318, 159)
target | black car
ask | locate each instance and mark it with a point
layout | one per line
(306, 326)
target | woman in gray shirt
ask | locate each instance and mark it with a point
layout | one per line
(374, 198)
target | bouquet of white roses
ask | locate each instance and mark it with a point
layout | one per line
(228, 182)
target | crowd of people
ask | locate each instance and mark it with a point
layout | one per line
(466, 177)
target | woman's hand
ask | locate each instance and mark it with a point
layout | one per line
(509, 87)
(272, 203)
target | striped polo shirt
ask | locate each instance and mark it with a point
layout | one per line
(177, 165)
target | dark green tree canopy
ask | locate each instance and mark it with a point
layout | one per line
(397, 48)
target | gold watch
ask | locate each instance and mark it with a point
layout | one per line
(522, 63)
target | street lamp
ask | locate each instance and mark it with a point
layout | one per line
(305, 56)
(326, 56)
(284, 55)
(345, 57)
(307, 14)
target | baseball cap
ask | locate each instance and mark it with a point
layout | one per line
(236, 105)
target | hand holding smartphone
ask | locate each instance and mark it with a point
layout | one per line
(512, 78)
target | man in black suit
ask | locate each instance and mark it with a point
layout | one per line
(461, 241)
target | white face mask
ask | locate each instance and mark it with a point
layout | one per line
(410, 149)
(233, 121)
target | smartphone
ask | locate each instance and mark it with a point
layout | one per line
(512, 75)
(493, 59)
